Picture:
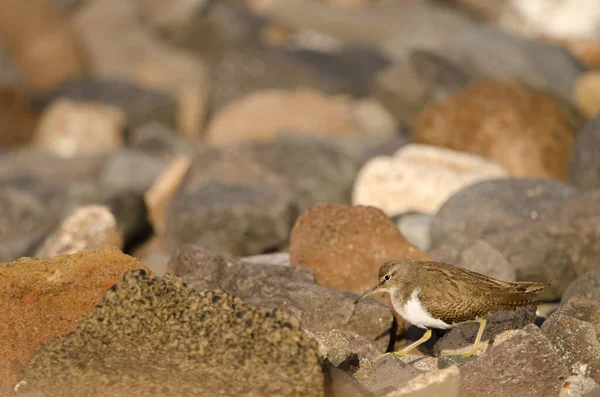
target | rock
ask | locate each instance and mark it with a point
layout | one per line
(415, 227)
(68, 128)
(10, 75)
(584, 166)
(573, 332)
(497, 205)
(578, 386)
(159, 141)
(199, 343)
(155, 253)
(484, 50)
(239, 219)
(389, 373)
(49, 298)
(25, 221)
(288, 288)
(587, 285)
(463, 336)
(346, 245)
(342, 384)
(586, 93)
(419, 178)
(17, 118)
(526, 131)
(131, 170)
(442, 383)
(171, 16)
(262, 115)
(87, 228)
(140, 105)
(44, 46)
(278, 258)
(525, 364)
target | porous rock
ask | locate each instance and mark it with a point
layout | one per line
(388, 374)
(587, 285)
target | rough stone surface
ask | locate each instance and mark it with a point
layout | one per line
(442, 383)
(45, 299)
(419, 178)
(573, 330)
(584, 166)
(346, 245)
(388, 374)
(155, 335)
(587, 285)
(526, 364)
(579, 386)
(288, 288)
(87, 228)
(526, 131)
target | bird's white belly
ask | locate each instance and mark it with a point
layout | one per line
(414, 312)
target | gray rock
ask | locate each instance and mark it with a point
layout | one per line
(288, 288)
(573, 329)
(156, 336)
(416, 228)
(158, 141)
(389, 374)
(278, 258)
(525, 365)
(141, 105)
(584, 164)
(131, 170)
(578, 386)
(587, 285)
(233, 218)
(495, 206)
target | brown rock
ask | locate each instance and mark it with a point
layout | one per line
(587, 93)
(346, 245)
(41, 42)
(17, 118)
(525, 130)
(44, 299)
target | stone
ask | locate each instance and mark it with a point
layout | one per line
(586, 93)
(171, 16)
(239, 219)
(17, 118)
(578, 386)
(277, 258)
(526, 131)
(441, 383)
(132, 170)
(40, 300)
(155, 253)
(419, 178)
(289, 288)
(342, 384)
(497, 205)
(346, 245)
(159, 141)
(488, 51)
(262, 115)
(483, 258)
(184, 342)
(415, 227)
(68, 128)
(388, 374)
(587, 285)
(573, 330)
(44, 45)
(87, 228)
(584, 166)
(140, 105)
(526, 364)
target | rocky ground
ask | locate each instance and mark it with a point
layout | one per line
(193, 193)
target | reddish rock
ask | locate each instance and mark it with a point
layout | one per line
(17, 118)
(526, 131)
(346, 245)
(44, 299)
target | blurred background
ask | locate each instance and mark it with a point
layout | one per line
(151, 123)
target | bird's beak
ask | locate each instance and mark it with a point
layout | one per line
(371, 291)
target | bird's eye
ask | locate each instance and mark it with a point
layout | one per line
(387, 277)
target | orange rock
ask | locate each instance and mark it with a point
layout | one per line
(525, 130)
(44, 299)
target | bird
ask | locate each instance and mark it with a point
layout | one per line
(439, 295)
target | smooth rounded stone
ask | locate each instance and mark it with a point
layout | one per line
(140, 105)
(389, 374)
(415, 227)
(25, 220)
(587, 285)
(526, 364)
(182, 342)
(87, 228)
(483, 258)
(440, 383)
(278, 258)
(586, 95)
(497, 205)
(419, 178)
(158, 140)
(289, 288)
(485, 50)
(43, 299)
(131, 170)
(346, 245)
(17, 118)
(526, 131)
(584, 165)
(573, 330)
(69, 128)
(239, 219)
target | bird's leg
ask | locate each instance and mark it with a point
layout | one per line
(408, 348)
(473, 350)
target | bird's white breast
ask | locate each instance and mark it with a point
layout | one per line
(414, 312)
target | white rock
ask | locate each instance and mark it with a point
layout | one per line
(419, 178)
